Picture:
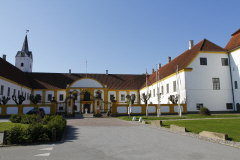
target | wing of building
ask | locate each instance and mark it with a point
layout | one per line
(204, 75)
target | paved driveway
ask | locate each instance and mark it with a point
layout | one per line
(114, 139)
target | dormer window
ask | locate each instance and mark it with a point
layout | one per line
(22, 64)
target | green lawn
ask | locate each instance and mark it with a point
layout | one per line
(187, 116)
(228, 126)
(8, 125)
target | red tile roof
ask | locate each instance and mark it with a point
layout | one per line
(61, 80)
(183, 60)
(234, 42)
(7, 70)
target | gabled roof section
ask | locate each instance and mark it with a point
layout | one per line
(12, 73)
(183, 60)
(61, 80)
(234, 42)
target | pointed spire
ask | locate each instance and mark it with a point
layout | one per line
(25, 45)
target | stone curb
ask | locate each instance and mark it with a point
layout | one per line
(214, 135)
(157, 123)
(177, 128)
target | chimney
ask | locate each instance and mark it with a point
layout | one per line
(153, 70)
(70, 71)
(159, 65)
(4, 57)
(191, 43)
(106, 72)
(169, 59)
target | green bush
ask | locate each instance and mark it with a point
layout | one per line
(39, 129)
(17, 135)
(204, 111)
(47, 118)
(57, 123)
(15, 118)
(29, 119)
(37, 132)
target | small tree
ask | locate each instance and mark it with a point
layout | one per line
(130, 101)
(4, 100)
(35, 99)
(145, 98)
(18, 99)
(173, 98)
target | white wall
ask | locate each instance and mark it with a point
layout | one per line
(200, 86)
(13, 86)
(27, 61)
(165, 95)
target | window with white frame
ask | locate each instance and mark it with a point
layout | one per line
(235, 85)
(216, 83)
(49, 97)
(174, 86)
(2, 89)
(8, 93)
(162, 89)
(122, 97)
(167, 86)
(203, 61)
(61, 97)
(153, 92)
(224, 61)
(199, 106)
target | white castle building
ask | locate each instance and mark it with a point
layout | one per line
(204, 75)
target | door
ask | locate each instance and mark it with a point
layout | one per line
(86, 108)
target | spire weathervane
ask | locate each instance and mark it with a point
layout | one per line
(27, 31)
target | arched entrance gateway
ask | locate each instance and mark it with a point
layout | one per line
(86, 95)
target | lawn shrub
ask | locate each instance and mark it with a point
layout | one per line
(15, 118)
(47, 118)
(37, 132)
(39, 129)
(57, 123)
(204, 111)
(17, 135)
(29, 119)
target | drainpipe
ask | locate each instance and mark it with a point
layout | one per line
(233, 96)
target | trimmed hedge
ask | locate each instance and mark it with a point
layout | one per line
(205, 111)
(48, 128)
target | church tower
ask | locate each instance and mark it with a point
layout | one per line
(24, 59)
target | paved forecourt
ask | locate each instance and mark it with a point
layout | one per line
(114, 139)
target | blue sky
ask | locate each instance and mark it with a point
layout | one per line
(123, 36)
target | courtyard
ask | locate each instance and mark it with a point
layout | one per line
(115, 139)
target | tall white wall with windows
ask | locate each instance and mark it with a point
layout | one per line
(209, 83)
(8, 89)
(166, 88)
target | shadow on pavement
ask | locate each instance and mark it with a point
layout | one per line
(71, 134)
